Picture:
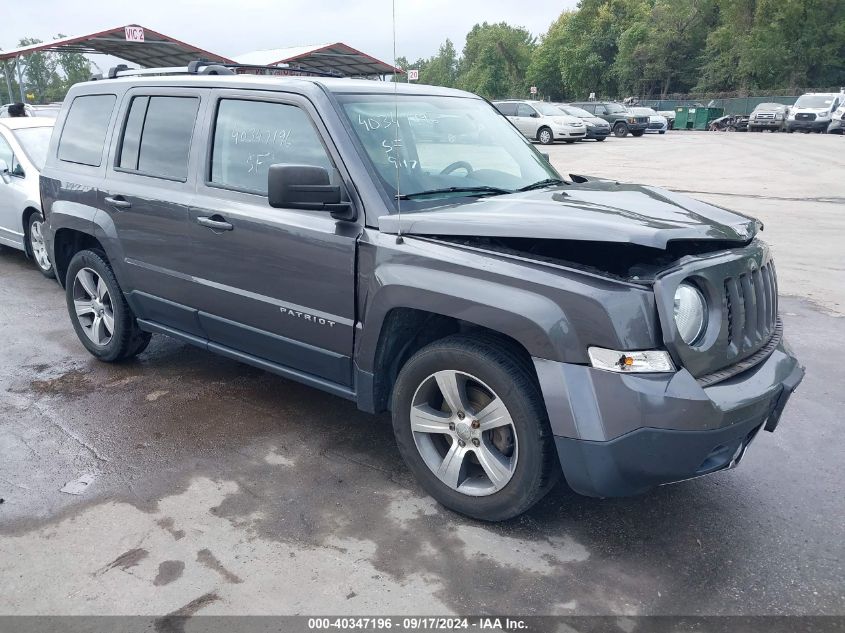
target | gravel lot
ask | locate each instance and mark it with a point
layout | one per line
(234, 491)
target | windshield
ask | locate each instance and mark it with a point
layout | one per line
(814, 101)
(573, 111)
(767, 107)
(643, 111)
(460, 145)
(35, 141)
(547, 109)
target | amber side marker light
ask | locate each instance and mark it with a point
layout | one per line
(649, 361)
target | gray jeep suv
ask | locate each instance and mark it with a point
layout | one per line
(516, 324)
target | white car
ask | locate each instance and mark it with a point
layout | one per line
(23, 149)
(542, 121)
(656, 122)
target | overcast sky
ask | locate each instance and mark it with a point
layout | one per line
(239, 26)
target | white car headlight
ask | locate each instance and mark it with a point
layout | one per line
(690, 312)
(647, 362)
(824, 115)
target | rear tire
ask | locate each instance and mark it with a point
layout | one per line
(638, 133)
(103, 320)
(620, 130)
(36, 246)
(502, 470)
(600, 138)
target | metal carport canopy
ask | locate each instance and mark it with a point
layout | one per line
(132, 42)
(337, 58)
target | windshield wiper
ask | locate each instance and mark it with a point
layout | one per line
(470, 191)
(548, 182)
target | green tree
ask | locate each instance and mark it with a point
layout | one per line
(442, 69)
(545, 70)
(74, 66)
(495, 60)
(659, 52)
(40, 76)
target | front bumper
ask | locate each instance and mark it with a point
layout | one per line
(766, 123)
(818, 124)
(622, 434)
(566, 132)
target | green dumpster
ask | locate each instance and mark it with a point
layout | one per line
(695, 117)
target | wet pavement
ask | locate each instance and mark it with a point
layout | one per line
(219, 488)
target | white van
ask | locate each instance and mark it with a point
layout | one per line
(813, 111)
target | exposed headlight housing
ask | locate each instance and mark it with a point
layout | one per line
(646, 362)
(690, 312)
(824, 115)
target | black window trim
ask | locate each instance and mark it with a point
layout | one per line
(281, 98)
(106, 139)
(15, 158)
(149, 94)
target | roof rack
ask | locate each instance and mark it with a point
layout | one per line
(204, 67)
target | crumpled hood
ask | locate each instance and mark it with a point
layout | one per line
(596, 210)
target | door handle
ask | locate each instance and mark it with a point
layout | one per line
(118, 202)
(215, 222)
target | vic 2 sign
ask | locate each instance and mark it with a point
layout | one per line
(134, 33)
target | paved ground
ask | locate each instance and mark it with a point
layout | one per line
(233, 491)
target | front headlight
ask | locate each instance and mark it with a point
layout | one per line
(647, 362)
(824, 115)
(690, 312)
(632, 119)
(779, 117)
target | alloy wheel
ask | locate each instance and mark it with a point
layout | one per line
(93, 304)
(36, 244)
(464, 433)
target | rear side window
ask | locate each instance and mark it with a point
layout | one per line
(249, 136)
(85, 129)
(157, 136)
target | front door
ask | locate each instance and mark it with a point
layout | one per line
(276, 284)
(527, 120)
(12, 198)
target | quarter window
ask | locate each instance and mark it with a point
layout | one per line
(85, 129)
(249, 136)
(157, 136)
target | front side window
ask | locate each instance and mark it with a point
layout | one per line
(6, 153)
(524, 110)
(249, 136)
(615, 108)
(157, 136)
(85, 129)
(433, 148)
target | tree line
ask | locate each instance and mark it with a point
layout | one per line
(652, 48)
(47, 75)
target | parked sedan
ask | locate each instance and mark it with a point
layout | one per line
(656, 122)
(23, 149)
(597, 128)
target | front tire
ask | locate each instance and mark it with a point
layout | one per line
(545, 136)
(470, 424)
(37, 247)
(620, 130)
(103, 320)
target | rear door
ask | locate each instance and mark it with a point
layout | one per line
(276, 284)
(148, 192)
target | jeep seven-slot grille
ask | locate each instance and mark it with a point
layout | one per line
(751, 304)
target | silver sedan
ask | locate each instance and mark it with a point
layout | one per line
(23, 149)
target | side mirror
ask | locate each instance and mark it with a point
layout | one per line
(4, 172)
(546, 156)
(306, 187)
(534, 115)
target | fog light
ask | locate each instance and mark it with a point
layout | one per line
(650, 361)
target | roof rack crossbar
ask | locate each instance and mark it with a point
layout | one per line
(204, 67)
